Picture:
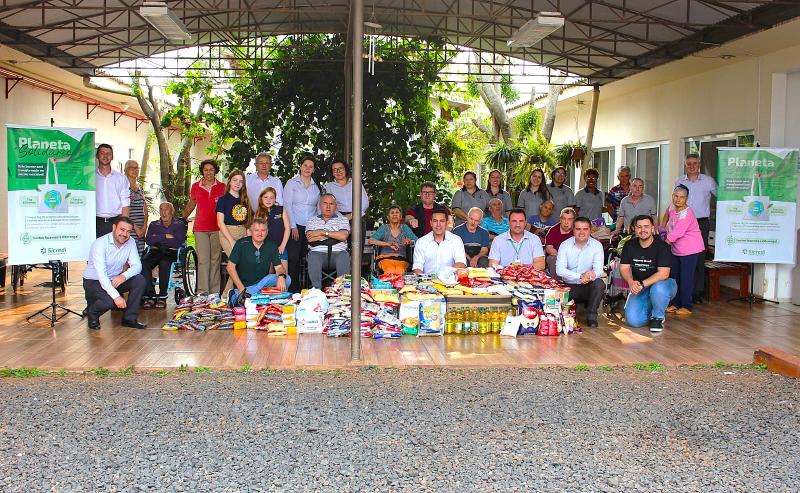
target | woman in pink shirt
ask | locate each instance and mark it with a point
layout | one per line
(683, 234)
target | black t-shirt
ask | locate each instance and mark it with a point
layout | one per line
(645, 262)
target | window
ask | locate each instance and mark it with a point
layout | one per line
(707, 146)
(603, 161)
(645, 161)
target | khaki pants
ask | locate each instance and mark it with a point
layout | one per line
(236, 232)
(206, 243)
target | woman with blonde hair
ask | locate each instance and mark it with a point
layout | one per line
(234, 213)
(277, 218)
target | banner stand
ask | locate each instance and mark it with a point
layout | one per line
(57, 269)
(751, 298)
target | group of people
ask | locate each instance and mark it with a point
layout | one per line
(262, 226)
(267, 228)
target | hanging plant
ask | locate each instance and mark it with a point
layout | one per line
(504, 157)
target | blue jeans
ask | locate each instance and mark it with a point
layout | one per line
(651, 302)
(268, 281)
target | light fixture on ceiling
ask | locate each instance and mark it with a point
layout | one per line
(165, 22)
(536, 29)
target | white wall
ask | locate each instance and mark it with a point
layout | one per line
(29, 105)
(699, 96)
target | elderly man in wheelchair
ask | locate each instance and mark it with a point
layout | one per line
(165, 241)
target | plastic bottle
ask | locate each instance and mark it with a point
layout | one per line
(497, 315)
(474, 322)
(449, 322)
(455, 314)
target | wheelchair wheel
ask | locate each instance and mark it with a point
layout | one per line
(189, 271)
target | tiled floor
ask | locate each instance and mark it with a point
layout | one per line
(719, 331)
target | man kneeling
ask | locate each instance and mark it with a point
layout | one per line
(644, 265)
(248, 265)
(104, 280)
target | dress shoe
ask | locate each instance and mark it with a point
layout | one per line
(133, 324)
(591, 323)
(697, 300)
(93, 322)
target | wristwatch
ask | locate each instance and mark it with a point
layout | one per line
(326, 234)
(282, 275)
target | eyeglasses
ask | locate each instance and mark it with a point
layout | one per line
(429, 192)
(258, 256)
(337, 170)
(560, 174)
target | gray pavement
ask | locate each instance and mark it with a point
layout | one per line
(403, 430)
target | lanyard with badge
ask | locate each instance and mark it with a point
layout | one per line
(517, 247)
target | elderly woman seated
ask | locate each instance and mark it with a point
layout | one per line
(391, 240)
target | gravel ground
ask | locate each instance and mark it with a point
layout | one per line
(403, 430)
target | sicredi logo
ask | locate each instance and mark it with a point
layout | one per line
(58, 145)
(53, 251)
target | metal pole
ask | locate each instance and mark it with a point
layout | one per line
(355, 235)
(590, 130)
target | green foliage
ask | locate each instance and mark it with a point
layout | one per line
(124, 372)
(605, 368)
(507, 90)
(162, 373)
(739, 366)
(246, 368)
(504, 157)
(536, 153)
(461, 149)
(183, 368)
(651, 366)
(98, 372)
(563, 153)
(529, 123)
(202, 369)
(582, 367)
(22, 372)
(293, 101)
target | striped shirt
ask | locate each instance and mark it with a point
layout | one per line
(136, 213)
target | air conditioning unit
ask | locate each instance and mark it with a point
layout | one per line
(165, 22)
(536, 29)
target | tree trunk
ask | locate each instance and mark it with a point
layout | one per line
(553, 92)
(494, 102)
(151, 110)
(148, 143)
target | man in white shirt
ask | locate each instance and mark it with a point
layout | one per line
(261, 179)
(331, 230)
(701, 188)
(580, 266)
(112, 191)
(439, 249)
(104, 280)
(517, 246)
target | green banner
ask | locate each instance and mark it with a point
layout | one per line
(51, 198)
(756, 205)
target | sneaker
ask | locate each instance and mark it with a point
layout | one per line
(683, 311)
(656, 325)
(672, 309)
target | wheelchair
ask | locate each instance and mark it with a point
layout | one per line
(19, 274)
(182, 273)
(375, 271)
